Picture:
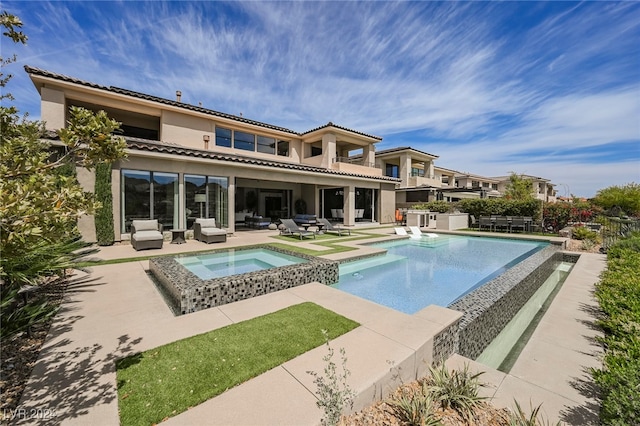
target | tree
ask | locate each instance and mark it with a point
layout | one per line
(620, 200)
(41, 202)
(519, 188)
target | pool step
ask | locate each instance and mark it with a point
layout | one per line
(359, 265)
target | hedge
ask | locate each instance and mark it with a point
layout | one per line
(105, 235)
(618, 293)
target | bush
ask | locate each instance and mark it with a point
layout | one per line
(618, 293)
(584, 233)
(104, 215)
(434, 206)
(457, 389)
(500, 207)
(556, 216)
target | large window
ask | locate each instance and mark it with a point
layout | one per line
(267, 145)
(223, 137)
(392, 170)
(149, 195)
(206, 197)
(242, 140)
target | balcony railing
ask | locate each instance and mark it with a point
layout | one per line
(348, 160)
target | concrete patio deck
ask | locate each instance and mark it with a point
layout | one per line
(117, 311)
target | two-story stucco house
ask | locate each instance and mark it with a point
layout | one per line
(186, 162)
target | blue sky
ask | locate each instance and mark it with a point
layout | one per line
(547, 89)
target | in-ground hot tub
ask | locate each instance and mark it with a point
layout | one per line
(191, 283)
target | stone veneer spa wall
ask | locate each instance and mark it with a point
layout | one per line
(187, 293)
(489, 308)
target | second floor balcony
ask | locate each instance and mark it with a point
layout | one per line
(357, 165)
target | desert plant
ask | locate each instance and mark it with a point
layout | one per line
(413, 409)
(333, 391)
(457, 389)
(520, 418)
(584, 233)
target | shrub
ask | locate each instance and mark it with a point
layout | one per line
(104, 215)
(456, 389)
(556, 216)
(584, 233)
(434, 206)
(619, 297)
(332, 389)
(414, 409)
(499, 206)
(520, 418)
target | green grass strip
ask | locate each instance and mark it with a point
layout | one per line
(167, 380)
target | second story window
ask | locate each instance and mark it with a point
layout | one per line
(283, 148)
(392, 170)
(246, 141)
(267, 145)
(223, 137)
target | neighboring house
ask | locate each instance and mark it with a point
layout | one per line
(186, 162)
(543, 189)
(416, 169)
(475, 186)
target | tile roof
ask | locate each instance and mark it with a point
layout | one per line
(175, 149)
(44, 73)
(403, 148)
(330, 124)
(126, 92)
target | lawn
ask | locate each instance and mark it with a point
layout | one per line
(167, 380)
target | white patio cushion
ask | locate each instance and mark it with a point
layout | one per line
(145, 225)
(206, 223)
(146, 235)
(212, 231)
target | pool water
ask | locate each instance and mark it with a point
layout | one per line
(233, 262)
(416, 273)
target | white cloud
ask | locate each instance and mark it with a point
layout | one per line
(558, 76)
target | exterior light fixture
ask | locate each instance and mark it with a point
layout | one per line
(206, 139)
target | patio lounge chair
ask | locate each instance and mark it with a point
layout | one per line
(417, 233)
(146, 234)
(205, 230)
(328, 227)
(291, 228)
(401, 231)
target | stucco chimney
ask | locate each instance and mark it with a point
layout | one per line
(178, 96)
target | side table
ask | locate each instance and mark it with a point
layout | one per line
(177, 236)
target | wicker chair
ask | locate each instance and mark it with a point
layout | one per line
(146, 234)
(205, 230)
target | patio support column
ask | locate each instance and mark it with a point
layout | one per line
(181, 200)
(405, 169)
(349, 205)
(328, 150)
(368, 155)
(431, 170)
(231, 207)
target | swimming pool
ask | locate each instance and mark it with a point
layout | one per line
(224, 264)
(416, 273)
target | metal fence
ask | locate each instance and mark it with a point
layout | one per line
(615, 229)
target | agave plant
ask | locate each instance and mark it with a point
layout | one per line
(456, 389)
(414, 409)
(520, 418)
